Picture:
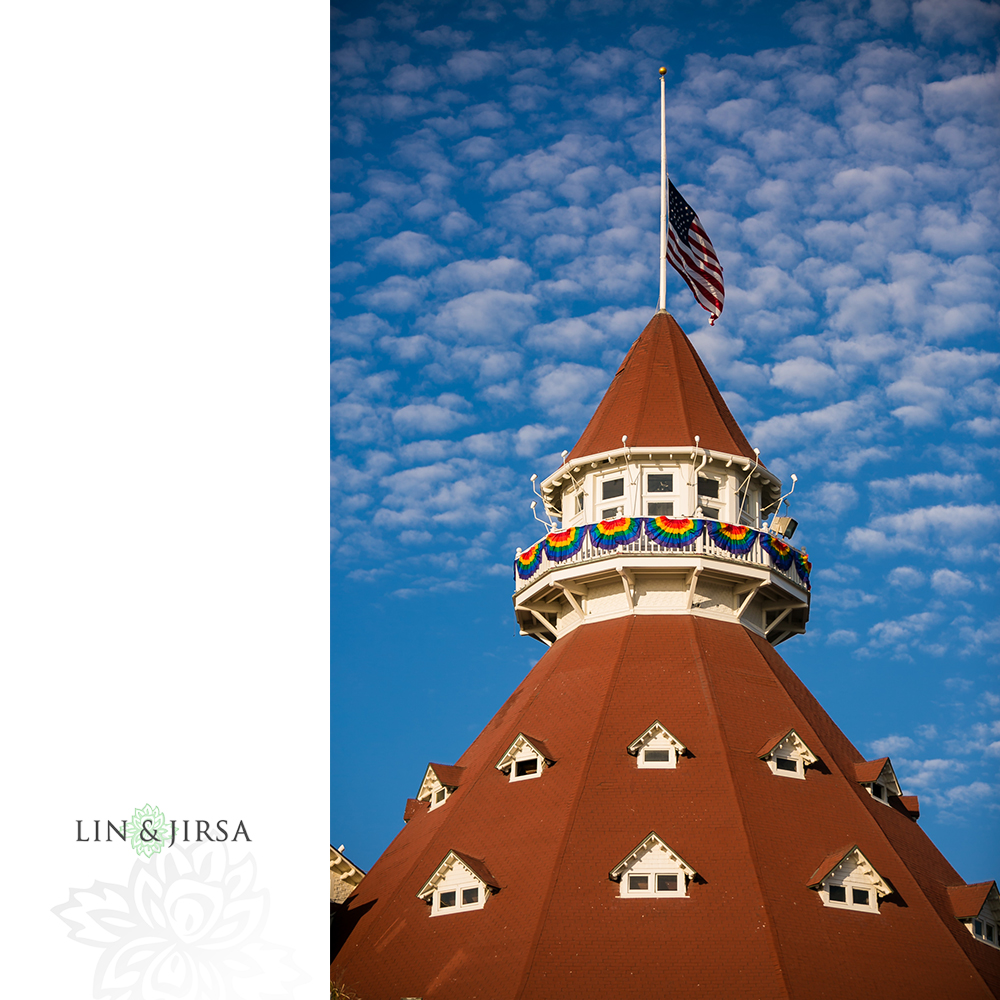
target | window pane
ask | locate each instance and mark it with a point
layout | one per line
(446, 899)
(989, 932)
(666, 883)
(638, 883)
(978, 928)
(579, 503)
(712, 513)
(470, 895)
(440, 795)
(609, 513)
(708, 487)
(612, 488)
(838, 894)
(660, 510)
(658, 483)
(523, 767)
(657, 755)
(859, 897)
(878, 791)
(784, 764)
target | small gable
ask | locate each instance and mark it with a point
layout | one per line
(525, 758)
(652, 868)
(977, 906)
(848, 880)
(787, 755)
(459, 884)
(878, 778)
(656, 747)
(440, 780)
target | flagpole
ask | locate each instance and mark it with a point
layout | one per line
(664, 210)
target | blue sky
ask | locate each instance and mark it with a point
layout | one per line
(495, 234)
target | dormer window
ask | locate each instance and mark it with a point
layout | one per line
(978, 908)
(848, 881)
(440, 780)
(525, 758)
(652, 869)
(459, 884)
(878, 779)
(656, 748)
(787, 756)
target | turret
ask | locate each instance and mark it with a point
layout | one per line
(662, 507)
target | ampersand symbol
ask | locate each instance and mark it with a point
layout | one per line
(144, 831)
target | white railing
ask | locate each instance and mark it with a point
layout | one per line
(643, 545)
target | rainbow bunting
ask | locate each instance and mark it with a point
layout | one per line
(802, 565)
(618, 531)
(673, 532)
(735, 538)
(528, 561)
(560, 545)
(779, 551)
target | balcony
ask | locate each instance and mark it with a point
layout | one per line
(660, 536)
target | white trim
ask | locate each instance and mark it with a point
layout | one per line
(650, 858)
(854, 872)
(455, 880)
(791, 747)
(657, 739)
(520, 753)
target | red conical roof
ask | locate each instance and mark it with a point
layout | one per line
(661, 397)
(750, 927)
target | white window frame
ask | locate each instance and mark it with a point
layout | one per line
(652, 857)
(520, 759)
(430, 788)
(519, 751)
(652, 874)
(719, 503)
(854, 871)
(647, 497)
(656, 737)
(454, 876)
(790, 747)
(985, 918)
(849, 885)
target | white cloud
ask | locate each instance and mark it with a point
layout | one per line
(889, 745)
(474, 64)
(439, 417)
(407, 249)
(903, 631)
(916, 529)
(532, 439)
(966, 21)
(804, 377)
(951, 582)
(505, 273)
(488, 316)
(842, 637)
(906, 577)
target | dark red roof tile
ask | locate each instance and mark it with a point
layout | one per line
(661, 397)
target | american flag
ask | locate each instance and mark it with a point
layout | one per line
(691, 252)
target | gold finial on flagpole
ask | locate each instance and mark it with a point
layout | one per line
(661, 305)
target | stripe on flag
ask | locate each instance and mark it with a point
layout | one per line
(691, 252)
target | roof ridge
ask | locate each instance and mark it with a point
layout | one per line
(710, 704)
(536, 935)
